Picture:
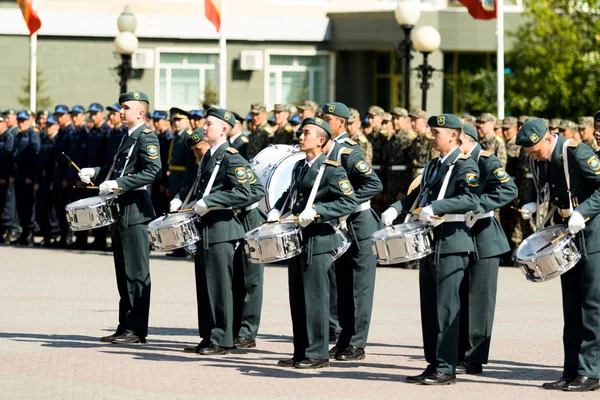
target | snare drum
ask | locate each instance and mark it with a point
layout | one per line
(273, 242)
(92, 212)
(174, 231)
(346, 242)
(274, 166)
(402, 243)
(552, 261)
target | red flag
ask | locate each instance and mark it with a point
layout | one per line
(481, 9)
(31, 18)
(212, 10)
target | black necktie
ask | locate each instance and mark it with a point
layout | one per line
(303, 172)
(435, 171)
(205, 160)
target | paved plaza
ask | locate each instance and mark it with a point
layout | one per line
(55, 305)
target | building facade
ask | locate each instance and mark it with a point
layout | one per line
(290, 51)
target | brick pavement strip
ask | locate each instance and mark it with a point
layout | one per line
(54, 305)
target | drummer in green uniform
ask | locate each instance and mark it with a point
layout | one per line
(320, 193)
(449, 189)
(574, 197)
(478, 289)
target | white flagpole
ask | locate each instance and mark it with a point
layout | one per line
(500, 56)
(223, 59)
(33, 66)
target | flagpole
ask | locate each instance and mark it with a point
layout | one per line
(223, 59)
(500, 56)
(33, 66)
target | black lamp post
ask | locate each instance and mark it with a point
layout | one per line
(125, 44)
(407, 14)
(426, 40)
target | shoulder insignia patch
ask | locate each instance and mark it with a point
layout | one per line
(363, 167)
(501, 175)
(251, 176)
(573, 143)
(463, 156)
(152, 151)
(346, 151)
(594, 164)
(232, 150)
(147, 130)
(244, 139)
(351, 142)
(241, 175)
(485, 153)
(288, 128)
(268, 129)
(363, 139)
(346, 187)
(384, 132)
(332, 163)
(472, 180)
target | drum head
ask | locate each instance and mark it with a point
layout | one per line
(400, 230)
(90, 201)
(528, 248)
(281, 177)
(265, 162)
(273, 229)
(172, 219)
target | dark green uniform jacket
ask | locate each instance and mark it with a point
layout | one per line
(143, 169)
(462, 195)
(496, 189)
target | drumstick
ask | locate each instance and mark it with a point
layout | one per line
(293, 219)
(557, 239)
(76, 167)
(418, 211)
(94, 187)
(184, 210)
(519, 210)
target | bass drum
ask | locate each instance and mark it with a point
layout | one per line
(274, 166)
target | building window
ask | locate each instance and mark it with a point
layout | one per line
(388, 79)
(294, 79)
(185, 79)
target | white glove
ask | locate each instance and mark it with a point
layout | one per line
(389, 216)
(175, 205)
(306, 217)
(528, 210)
(576, 222)
(200, 207)
(86, 175)
(108, 187)
(426, 214)
(274, 215)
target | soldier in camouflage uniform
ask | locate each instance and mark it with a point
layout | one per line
(378, 139)
(397, 149)
(586, 130)
(554, 125)
(488, 139)
(387, 123)
(307, 109)
(284, 134)
(261, 135)
(597, 128)
(355, 134)
(421, 149)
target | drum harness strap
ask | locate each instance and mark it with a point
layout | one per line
(471, 217)
(343, 222)
(581, 234)
(309, 205)
(112, 167)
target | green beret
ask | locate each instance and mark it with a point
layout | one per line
(135, 95)
(337, 109)
(470, 131)
(195, 137)
(315, 121)
(222, 114)
(531, 133)
(450, 121)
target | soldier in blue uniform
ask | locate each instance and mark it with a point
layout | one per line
(60, 185)
(44, 206)
(571, 202)
(237, 139)
(77, 150)
(160, 199)
(355, 269)
(27, 147)
(197, 119)
(479, 286)
(9, 213)
(182, 162)
(6, 155)
(116, 134)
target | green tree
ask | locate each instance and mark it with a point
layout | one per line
(476, 92)
(555, 60)
(42, 101)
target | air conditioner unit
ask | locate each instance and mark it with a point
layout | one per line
(143, 59)
(251, 60)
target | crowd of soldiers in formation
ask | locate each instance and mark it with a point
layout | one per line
(37, 182)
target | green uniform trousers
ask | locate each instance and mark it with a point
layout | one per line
(214, 270)
(131, 253)
(440, 277)
(334, 319)
(309, 305)
(581, 312)
(477, 305)
(247, 295)
(355, 272)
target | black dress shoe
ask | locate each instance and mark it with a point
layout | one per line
(243, 343)
(109, 339)
(418, 378)
(557, 385)
(310, 363)
(582, 384)
(195, 348)
(128, 338)
(439, 378)
(335, 350)
(287, 363)
(469, 367)
(214, 350)
(352, 353)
